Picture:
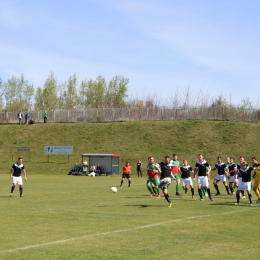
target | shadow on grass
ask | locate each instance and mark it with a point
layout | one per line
(146, 206)
(133, 197)
(228, 204)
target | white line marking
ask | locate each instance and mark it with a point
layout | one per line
(114, 232)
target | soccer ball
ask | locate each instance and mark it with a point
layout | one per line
(113, 189)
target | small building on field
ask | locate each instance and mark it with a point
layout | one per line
(109, 163)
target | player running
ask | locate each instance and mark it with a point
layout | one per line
(175, 171)
(186, 177)
(221, 176)
(256, 187)
(166, 178)
(202, 168)
(241, 160)
(245, 183)
(152, 183)
(232, 173)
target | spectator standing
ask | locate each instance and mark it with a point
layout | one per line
(139, 168)
(45, 115)
(20, 117)
(27, 116)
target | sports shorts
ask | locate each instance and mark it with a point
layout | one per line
(233, 179)
(17, 180)
(163, 185)
(244, 185)
(177, 176)
(220, 177)
(203, 181)
(124, 175)
(155, 181)
(187, 181)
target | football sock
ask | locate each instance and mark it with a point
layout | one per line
(227, 189)
(216, 187)
(121, 182)
(257, 192)
(238, 197)
(154, 190)
(167, 197)
(21, 191)
(150, 189)
(203, 190)
(232, 189)
(243, 193)
(12, 189)
(208, 190)
(129, 183)
(158, 190)
(192, 191)
(178, 187)
(250, 198)
(200, 193)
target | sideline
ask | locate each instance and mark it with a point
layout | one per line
(115, 231)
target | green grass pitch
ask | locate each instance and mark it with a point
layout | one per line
(76, 217)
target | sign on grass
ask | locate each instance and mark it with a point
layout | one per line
(21, 150)
(58, 149)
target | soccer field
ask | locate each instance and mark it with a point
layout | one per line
(76, 217)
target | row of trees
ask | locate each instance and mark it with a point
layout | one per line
(18, 94)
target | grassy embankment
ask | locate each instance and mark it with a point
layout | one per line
(132, 140)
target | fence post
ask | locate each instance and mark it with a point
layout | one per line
(7, 117)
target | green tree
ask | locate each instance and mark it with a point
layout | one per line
(46, 97)
(38, 105)
(83, 94)
(115, 93)
(69, 97)
(18, 93)
(95, 92)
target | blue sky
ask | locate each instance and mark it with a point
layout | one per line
(210, 47)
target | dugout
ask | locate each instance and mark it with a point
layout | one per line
(109, 163)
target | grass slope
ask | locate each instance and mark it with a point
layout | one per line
(133, 140)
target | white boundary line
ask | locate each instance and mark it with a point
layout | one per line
(114, 232)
